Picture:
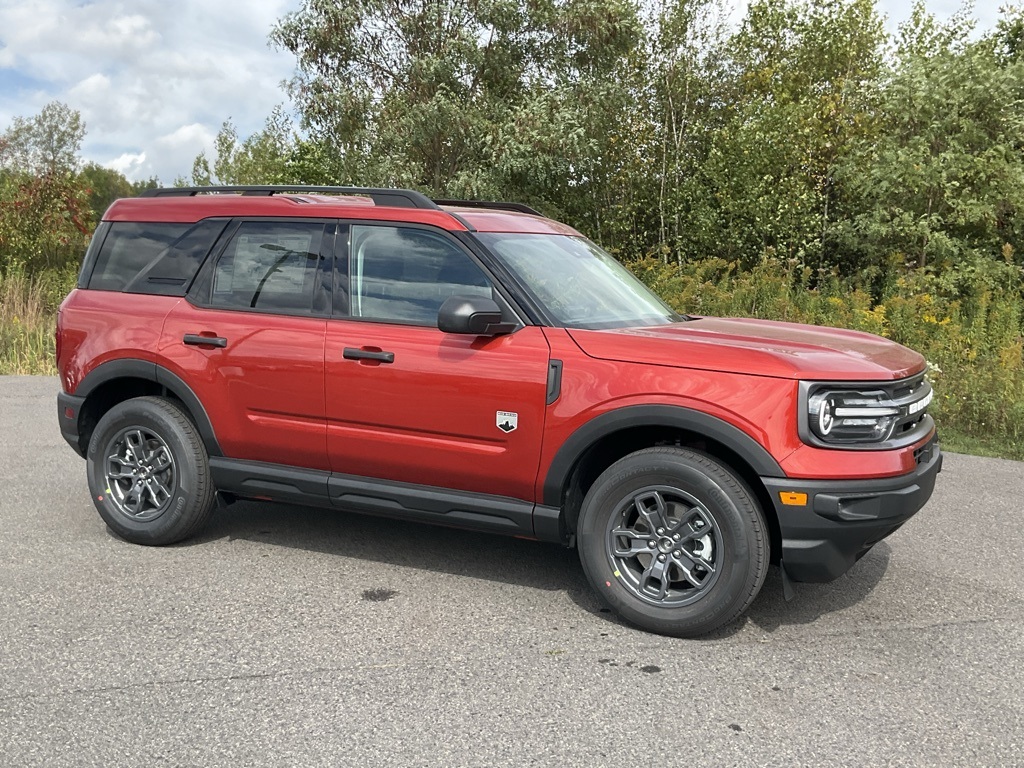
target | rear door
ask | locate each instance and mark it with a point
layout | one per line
(250, 340)
(408, 403)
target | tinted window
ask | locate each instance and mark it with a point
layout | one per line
(403, 274)
(128, 249)
(273, 266)
(171, 271)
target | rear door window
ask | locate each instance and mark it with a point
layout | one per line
(275, 266)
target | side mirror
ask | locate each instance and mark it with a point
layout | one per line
(474, 315)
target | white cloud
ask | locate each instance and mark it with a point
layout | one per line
(153, 79)
(127, 163)
(187, 135)
(897, 11)
(93, 89)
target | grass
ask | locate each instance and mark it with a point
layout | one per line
(28, 319)
(954, 441)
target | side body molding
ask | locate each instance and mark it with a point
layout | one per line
(699, 423)
(149, 371)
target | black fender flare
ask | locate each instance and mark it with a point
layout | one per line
(143, 369)
(733, 438)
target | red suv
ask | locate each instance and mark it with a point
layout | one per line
(479, 366)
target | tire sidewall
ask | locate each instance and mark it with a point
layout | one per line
(731, 512)
(146, 414)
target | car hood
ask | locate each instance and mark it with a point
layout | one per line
(758, 347)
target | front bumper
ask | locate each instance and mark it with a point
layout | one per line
(842, 520)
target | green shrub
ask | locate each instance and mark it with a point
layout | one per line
(28, 314)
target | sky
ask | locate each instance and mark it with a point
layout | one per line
(154, 80)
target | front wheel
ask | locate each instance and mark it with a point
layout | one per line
(149, 472)
(673, 541)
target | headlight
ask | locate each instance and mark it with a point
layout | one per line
(849, 416)
(869, 416)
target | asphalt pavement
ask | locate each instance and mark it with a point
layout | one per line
(286, 636)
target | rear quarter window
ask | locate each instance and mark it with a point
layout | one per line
(157, 258)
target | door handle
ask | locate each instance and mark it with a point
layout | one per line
(199, 340)
(351, 353)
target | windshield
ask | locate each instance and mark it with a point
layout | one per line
(579, 284)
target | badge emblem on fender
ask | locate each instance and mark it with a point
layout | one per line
(506, 421)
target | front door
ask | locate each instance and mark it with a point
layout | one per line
(408, 403)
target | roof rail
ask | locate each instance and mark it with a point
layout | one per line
(490, 205)
(396, 198)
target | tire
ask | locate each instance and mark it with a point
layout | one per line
(149, 473)
(673, 541)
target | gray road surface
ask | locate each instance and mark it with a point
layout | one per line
(300, 637)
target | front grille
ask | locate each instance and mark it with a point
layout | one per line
(912, 396)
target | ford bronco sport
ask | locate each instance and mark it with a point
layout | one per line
(480, 366)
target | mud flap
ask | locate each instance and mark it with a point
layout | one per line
(787, 586)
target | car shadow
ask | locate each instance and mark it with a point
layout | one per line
(504, 559)
(812, 601)
(770, 609)
(509, 560)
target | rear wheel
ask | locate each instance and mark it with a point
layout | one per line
(149, 472)
(673, 541)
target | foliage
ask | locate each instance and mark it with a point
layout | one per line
(28, 308)
(942, 181)
(45, 221)
(265, 157)
(49, 202)
(461, 98)
(105, 185)
(799, 101)
(44, 144)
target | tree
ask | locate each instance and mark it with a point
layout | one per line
(45, 143)
(798, 99)
(45, 219)
(105, 185)
(679, 109)
(265, 157)
(658, 128)
(943, 181)
(459, 97)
